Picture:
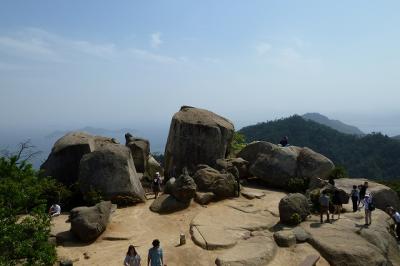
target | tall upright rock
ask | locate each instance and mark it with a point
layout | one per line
(196, 136)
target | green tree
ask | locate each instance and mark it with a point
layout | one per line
(238, 143)
(24, 224)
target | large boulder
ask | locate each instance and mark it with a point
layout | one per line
(168, 204)
(140, 149)
(183, 188)
(278, 167)
(343, 195)
(66, 154)
(236, 166)
(196, 136)
(208, 179)
(110, 170)
(87, 223)
(252, 150)
(381, 194)
(291, 205)
(311, 164)
(153, 166)
(346, 242)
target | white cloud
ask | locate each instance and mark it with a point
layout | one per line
(290, 59)
(155, 40)
(263, 47)
(40, 45)
(212, 60)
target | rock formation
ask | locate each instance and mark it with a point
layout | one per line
(196, 136)
(140, 149)
(223, 185)
(110, 170)
(276, 165)
(87, 223)
(99, 163)
(293, 204)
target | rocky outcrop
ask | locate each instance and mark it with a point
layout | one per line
(276, 165)
(285, 238)
(196, 136)
(291, 206)
(238, 167)
(111, 172)
(87, 223)
(63, 161)
(208, 179)
(183, 188)
(343, 195)
(153, 167)
(168, 204)
(140, 149)
(382, 195)
(347, 242)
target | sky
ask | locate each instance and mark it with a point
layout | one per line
(115, 64)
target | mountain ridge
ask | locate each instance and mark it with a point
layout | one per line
(333, 123)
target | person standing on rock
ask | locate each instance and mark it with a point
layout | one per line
(284, 141)
(156, 184)
(355, 195)
(396, 218)
(337, 203)
(55, 210)
(324, 206)
(363, 191)
(155, 256)
(368, 208)
(132, 257)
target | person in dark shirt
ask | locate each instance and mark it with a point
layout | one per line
(363, 191)
(284, 141)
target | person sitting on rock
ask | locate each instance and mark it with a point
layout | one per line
(396, 218)
(337, 203)
(156, 184)
(355, 195)
(324, 205)
(155, 256)
(284, 141)
(132, 257)
(55, 210)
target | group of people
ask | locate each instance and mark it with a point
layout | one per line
(154, 257)
(359, 195)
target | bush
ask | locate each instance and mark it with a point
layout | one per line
(237, 144)
(295, 218)
(297, 184)
(92, 197)
(338, 172)
(24, 224)
(314, 197)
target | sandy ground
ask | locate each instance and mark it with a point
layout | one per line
(141, 226)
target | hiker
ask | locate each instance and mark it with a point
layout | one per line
(396, 218)
(368, 207)
(155, 256)
(284, 141)
(55, 210)
(363, 191)
(156, 184)
(355, 195)
(132, 257)
(337, 203)
(324, 205)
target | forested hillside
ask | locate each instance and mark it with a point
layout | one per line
(374, 156)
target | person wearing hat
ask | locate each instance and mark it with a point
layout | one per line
(368, 208)
(156, 184)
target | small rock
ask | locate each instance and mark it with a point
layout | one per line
(86, 255)
(301, 234)
(285, 238)
(204, 198)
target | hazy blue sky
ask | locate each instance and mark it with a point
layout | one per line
(134, 63)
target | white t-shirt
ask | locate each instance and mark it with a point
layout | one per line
(367, 201)
(55, 209)
(396, 217)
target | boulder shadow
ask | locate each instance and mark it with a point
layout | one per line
(67, 239)
(315, 225)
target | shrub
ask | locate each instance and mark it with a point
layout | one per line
(237, 144)
(295, 218)
(92, 197)
(338, 172)
(24, 224)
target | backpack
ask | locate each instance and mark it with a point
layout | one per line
(156, 181)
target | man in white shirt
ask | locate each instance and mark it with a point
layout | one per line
(396, 218)
(55, 210)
